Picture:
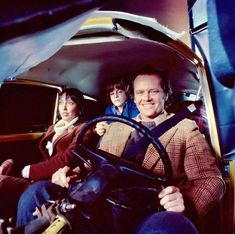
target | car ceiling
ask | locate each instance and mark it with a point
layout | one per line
(100, 52)
(88, 66)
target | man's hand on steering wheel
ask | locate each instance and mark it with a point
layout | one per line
(64, 176)
(172, 199)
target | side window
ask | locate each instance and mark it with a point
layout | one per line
(26, 108)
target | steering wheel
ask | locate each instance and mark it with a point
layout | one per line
(123, 196)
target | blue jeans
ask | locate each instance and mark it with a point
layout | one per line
(38, 194)
(35, 196)
(158, 223)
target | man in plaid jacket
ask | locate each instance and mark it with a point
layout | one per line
(197, 182)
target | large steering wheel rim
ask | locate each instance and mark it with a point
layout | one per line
(167, 178)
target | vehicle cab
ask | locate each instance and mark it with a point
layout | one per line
(94, 47)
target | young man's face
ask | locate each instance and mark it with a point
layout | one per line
(149, 96)
(118, 97)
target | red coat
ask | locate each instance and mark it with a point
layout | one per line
(60, 157)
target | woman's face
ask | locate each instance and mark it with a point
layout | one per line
(118, 97)
(68, 109)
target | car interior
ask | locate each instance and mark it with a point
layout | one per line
(98, 41)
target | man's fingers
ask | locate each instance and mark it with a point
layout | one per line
(59, 177)
(168, 190)
(65, 169)
(77, 170)
(101, 128)
(172, 199)
(70, 179)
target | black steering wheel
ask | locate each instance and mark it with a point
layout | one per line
(124, 196)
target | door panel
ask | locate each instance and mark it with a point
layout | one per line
(22, 148)
(27, 109)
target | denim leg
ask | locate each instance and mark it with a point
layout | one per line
(35, 196)
(166, 223)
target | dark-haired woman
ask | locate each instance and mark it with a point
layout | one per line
(55, 148)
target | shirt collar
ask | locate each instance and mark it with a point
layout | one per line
(160, 118)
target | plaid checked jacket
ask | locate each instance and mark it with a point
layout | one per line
(194, 167)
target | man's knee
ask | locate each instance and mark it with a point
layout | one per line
(167, 223)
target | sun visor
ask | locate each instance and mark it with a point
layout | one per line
(34, 31)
